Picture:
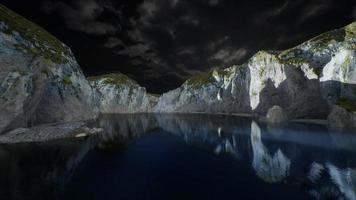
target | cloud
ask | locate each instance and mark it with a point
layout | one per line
(136, 35)
(315, 9)
(229, 55)
(81, 15)
(269, 14)
(114, 42)
(218, 42)
(174, 3)
(213, 2)
(138, 50)
(187, 51)
(190, 20)
(147, 11)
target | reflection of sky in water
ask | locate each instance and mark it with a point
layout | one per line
(304, 157)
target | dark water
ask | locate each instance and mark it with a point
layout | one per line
(185, 157)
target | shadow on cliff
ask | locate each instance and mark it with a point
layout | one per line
(236, 98)
(302, 97)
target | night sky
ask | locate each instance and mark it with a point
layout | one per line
(161, 43)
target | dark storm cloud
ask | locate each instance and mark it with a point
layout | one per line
(156, 35)
(213, 2)
(82, 15)
(354, 13)
(271, 13)
(114, 42)
(229, 55)
(214, 44)
(187, 51)
(316, 8)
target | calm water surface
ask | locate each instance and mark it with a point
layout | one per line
(185, 157)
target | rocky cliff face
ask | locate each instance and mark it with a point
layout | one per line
(40, 80)
(304, 80)
(117, 93)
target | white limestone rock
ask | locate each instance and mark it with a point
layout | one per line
(40, 80)
(304, 80)
(117, 93)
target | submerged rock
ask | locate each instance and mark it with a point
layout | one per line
(276, 115)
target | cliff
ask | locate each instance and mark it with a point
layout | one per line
(117, 93)
(40, 80)
(306, 81)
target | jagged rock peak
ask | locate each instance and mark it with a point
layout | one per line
(113, 79)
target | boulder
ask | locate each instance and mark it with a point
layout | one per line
(339, 117)
(276, 114)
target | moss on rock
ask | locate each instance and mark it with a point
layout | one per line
(346, 103)
(199, 80)
(114, 79)
(350, 31)
(40, 42)
(66, 80)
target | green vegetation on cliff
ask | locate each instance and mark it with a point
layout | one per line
(114, 79)
(347, 104)
(201, 79)
(40, 42)
(350, 31)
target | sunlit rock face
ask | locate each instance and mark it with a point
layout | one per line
(117, 93)
(40, 80)
(217, 91)
(304, 80)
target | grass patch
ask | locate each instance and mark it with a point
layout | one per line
(348, 104)
(41, 43)
(199, 80)
(114, 79)
(66, 80)
(350, 31)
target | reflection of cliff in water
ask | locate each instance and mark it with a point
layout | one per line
(39, 171)
(301, 155)
(121, 130)
(270, 168)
